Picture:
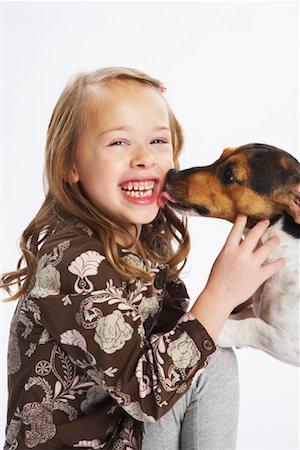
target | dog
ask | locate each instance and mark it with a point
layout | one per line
(262, 182)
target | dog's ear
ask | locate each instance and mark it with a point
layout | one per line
(294, 204)
(227, 152)
(289, 199)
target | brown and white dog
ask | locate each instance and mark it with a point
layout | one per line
(262, 182)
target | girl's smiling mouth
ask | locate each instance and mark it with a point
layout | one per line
(140, 191)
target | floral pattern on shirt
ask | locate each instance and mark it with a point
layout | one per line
(83, 266)
(40, 418)
(47, 276)
(184, 352)
(88, 363)
(112, 332)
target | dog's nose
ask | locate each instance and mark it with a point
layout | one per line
(173, 175)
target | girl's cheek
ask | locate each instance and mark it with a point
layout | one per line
(171, 162)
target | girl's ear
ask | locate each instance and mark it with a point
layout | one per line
(72, 177)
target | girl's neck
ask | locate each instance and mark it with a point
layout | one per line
(125, 241)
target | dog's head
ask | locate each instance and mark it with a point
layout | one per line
(259, 180)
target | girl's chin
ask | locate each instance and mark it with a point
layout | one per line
(142, 219)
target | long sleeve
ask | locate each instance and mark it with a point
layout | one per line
(91, 356)
(83, 304)
(175, 304)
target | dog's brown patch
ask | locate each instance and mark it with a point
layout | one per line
(285, 163)
(241, 167)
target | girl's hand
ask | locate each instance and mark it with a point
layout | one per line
(236, 274)
(241, 266)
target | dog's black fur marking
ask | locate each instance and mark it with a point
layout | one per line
(262, 165)
(290, 226)
(202, 210)
(261, 148)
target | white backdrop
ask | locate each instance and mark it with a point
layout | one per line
(231, 69)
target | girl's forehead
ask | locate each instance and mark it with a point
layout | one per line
(116, 90)
(117, 96)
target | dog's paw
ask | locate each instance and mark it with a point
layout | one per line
(223, 341)
(227, 335)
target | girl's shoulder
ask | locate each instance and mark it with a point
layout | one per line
(71, 234)
(71, 256)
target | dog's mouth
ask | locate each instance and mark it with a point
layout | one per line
(163, 198)
(184, 208)
(289, 201)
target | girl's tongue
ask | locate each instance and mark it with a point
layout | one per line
(164, 198)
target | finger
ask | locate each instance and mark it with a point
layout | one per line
(253, 237)
(265, 250)
(272, 268)
(235, 235)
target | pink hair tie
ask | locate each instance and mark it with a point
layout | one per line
(162, 89)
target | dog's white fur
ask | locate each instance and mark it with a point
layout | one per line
(272, 324)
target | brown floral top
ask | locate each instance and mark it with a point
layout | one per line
(92, 357)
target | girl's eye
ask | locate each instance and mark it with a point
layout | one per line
(158, 141)
(117, 143)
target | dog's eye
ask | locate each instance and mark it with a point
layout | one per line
(228, 175)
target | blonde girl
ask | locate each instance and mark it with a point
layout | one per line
(102, 352)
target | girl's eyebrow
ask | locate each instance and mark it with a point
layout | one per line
(124, 128)
(127, 128)
(161, 128)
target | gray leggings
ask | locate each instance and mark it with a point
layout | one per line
(206, 417)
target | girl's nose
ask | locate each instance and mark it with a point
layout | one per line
(142, 157)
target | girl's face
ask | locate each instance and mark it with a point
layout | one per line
(125, 152)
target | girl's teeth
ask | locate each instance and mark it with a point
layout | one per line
(138, 186)
(141, 189)
(139, 194)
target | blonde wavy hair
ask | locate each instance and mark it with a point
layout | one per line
(165, 240)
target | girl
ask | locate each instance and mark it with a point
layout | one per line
(102, 347)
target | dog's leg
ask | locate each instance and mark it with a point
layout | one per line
(243, 314)
(255, 332)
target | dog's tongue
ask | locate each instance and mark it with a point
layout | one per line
(164, 198)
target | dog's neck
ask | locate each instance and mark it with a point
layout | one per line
(288, 224)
